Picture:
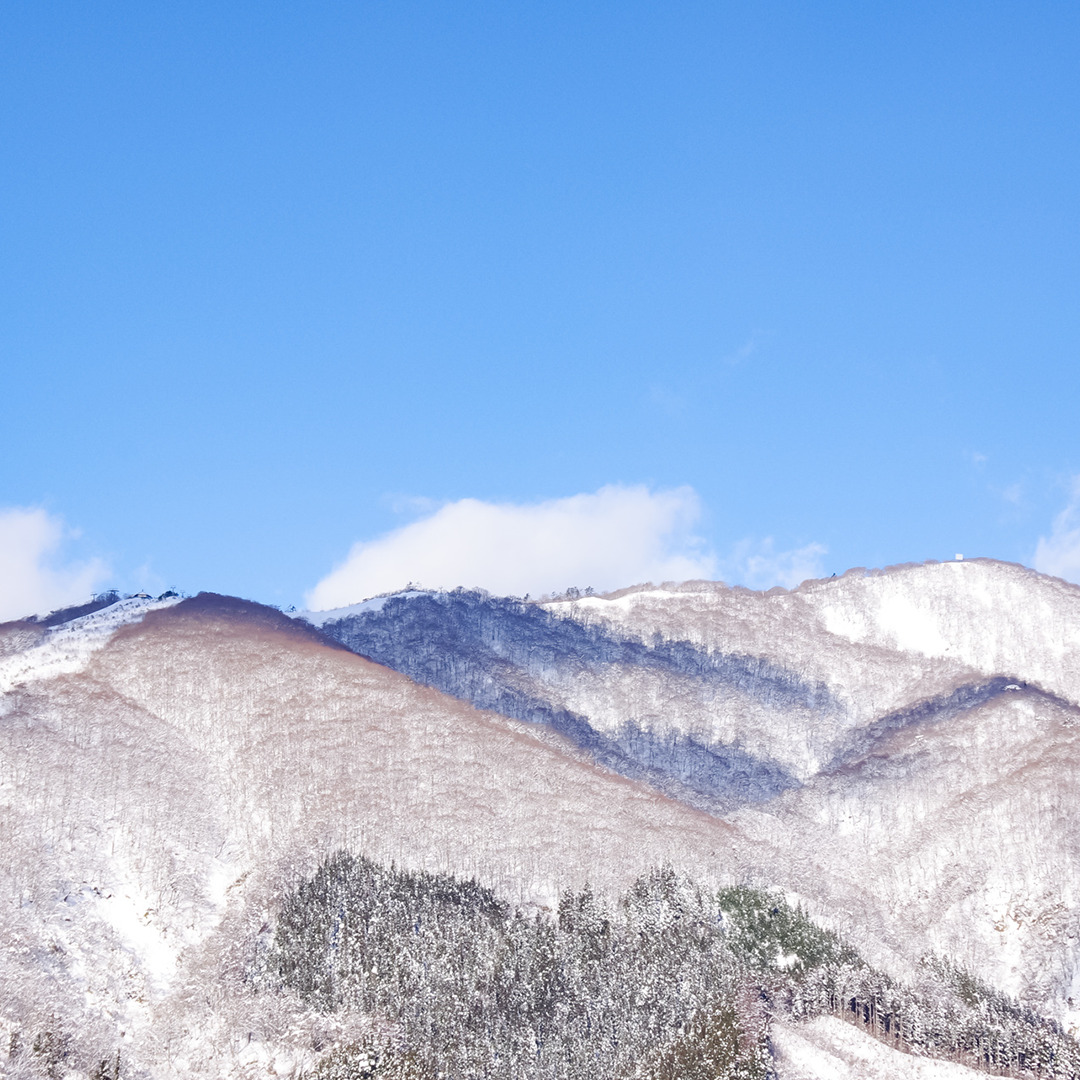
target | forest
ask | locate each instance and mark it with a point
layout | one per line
(673, 982)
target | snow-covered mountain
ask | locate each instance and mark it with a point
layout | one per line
(909, 731)
(895, 750)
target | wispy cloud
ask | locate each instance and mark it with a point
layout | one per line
(1059, 553)
(758, 565)
(609, 538)
(32, 580)
(748, 348)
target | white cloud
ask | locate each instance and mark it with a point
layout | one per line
(614, 537)
(31, 583)
(758, 565)
(1059, 553)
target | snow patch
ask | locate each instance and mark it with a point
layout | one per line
(827, 1048)
(908, 625)
(67, 648)
(913, 627)
(131, 916)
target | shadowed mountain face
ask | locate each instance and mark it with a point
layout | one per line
(521, 659)
(439, 633)
(505, 655)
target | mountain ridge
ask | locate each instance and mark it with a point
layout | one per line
(170, 769)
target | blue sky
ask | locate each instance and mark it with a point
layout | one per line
(281, 278)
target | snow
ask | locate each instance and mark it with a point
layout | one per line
(879, 642)
(624, 602)
(827, 1048)
(959, 830)
(911, 626)
(67, 648)
(994, 617)
(154, 803)
(980, 615)
(193, 769)
(376, 603)
(131, 915)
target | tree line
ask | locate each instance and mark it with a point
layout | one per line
(673, 981)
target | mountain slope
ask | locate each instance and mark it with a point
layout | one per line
(156, 802)
(723, 696)
(169, 772)
(905, 734)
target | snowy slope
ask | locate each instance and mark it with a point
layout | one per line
(37, 653)
(155, 804)
(827, 1048)
(926, 622)
(964, 820)
(966, 838)
(166, 774)
(723, 696)
(909, 733)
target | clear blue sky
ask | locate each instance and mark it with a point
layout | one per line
(268, 267)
